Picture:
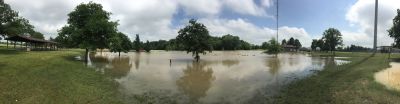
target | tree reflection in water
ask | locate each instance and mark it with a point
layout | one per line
(274, 65)
(120, 66)
(116, 67)
(230, 63)
(137, 60)
(196, 80)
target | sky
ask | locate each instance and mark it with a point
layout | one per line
(252, 20)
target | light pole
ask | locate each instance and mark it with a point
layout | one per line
(277, 20)
(375, 26)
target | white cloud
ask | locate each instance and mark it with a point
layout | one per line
(252, 33)
(247, 7)
(361, 14)
(286, 32)
(201, 7)
(152, 19)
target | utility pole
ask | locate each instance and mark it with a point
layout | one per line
(277, 20)
(375, 26)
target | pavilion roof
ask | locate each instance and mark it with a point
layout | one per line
(29, 39)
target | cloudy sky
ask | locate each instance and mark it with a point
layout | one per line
(252, 20)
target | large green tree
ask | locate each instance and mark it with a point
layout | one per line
(394, 31)
(7, 16)
(120, 43)
(89, 27)
(11, 24)
(195, 38)
(332, 38)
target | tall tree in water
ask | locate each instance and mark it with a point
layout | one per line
(90, 27)
(137, 44)
(147, 46)
(273, 47)
(120, 43)
(332, 38)
(394, 31)
(195, 38)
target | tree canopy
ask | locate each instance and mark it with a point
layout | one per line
(11, 24)
(394, 31)
(195, 38)
(88, 27)
(120, 43)
(332, 38)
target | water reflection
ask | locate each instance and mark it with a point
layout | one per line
(390, 77)
(137, 60)
(196, 80)
(230, 63)
(220, 77)
(116, 67)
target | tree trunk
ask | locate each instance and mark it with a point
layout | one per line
(119, 54)
(197, 57)
(86, 55)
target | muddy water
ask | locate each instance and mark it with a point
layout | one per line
(219, 77)
(390, 77)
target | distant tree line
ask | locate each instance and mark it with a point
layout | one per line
(11, 24)
(226, 42)
(355, 48)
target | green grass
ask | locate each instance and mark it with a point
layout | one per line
(52, 77)
(351, 83)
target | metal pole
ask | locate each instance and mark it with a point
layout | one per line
(277, 20)
(375, 26)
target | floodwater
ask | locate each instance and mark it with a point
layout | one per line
(220, 77)
(390, 77)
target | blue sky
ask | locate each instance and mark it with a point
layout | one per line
(251, 20)
(315, 15)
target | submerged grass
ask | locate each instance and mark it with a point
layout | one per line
(349, 83)
(50, 77)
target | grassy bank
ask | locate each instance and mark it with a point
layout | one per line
(350, 83)
(52, 77)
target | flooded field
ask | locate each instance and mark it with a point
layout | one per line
(390, 77)
(219, 77)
